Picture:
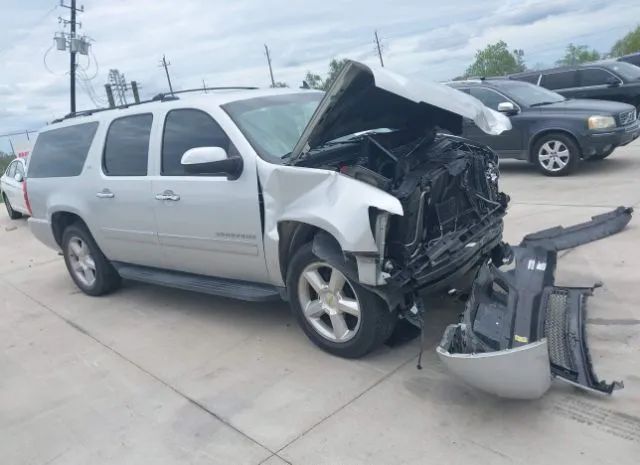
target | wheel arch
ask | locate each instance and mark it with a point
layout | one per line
(545, 132)
(60, 220)
(292, 236)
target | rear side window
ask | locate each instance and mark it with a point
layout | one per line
(594, 77)
(126, 150)
(530, 78)
(61, 152)
(187, 129)
(561, 80)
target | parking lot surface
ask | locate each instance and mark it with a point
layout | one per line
(149, 375)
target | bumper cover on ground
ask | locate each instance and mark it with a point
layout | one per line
(519, 330)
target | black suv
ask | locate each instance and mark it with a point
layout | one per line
(549, 130)
(633, 58)
(605, 80)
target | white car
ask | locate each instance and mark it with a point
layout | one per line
(12, 188)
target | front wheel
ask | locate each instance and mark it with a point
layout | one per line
(336, 313)
(556, 154)
(14, 215)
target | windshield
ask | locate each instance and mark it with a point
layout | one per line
(528, 94)
(273, 124)
(628, 71)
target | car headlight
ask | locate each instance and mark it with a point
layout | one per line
(601, 122)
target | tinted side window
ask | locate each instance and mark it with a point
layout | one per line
(562, 80)
(490, 98)
(61, 152)
(594, 77)
(187, 129)
(127, 147)
(531, 78)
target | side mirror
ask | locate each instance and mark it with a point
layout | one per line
(212, 161)
(18, 177)
(613, 82)
(507, 108)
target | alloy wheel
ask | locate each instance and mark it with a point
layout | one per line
(82, 263)
(328, 302)
(554, 155)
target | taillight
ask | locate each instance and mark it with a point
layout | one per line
(26, 197)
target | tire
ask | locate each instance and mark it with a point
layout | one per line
(561, 154)
(601, 156)
(14, 215)
(357, 335)
(85, 260)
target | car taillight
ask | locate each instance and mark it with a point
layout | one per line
(26, 196)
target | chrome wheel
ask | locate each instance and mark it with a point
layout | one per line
(82, 263)
(553, 155)
(328, 302)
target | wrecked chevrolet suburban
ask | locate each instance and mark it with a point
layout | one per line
(350, 205)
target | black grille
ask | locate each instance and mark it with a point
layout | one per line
(627, 117)
(556, 328)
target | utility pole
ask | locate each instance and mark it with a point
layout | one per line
(266, 51)
(165, 65)
(379, 47)
(75, 45)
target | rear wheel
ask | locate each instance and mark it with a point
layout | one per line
(88, 267)
(14, 215)
(556, 154)
(336, 313)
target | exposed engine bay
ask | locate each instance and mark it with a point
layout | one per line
(448, 187)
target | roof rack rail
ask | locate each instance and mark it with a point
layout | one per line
(161, 97)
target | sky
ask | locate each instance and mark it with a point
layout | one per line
(222, 42)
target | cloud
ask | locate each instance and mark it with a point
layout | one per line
(222, 42)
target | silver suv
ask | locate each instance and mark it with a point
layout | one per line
(346, 205)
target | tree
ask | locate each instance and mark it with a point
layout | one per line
(496, 60)
(576, 54)
(315, 81)
(628, 44)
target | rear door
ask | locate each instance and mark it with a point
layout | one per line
(120, 199)
(563, 82)
(208, 225)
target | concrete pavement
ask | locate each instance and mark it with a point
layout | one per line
(154, 375)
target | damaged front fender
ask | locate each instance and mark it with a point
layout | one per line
(516, 314)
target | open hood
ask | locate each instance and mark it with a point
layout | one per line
(365, 98)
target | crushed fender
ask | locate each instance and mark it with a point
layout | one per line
(519, 329)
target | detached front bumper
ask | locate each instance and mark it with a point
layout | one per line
(597, 143)
(519, 329)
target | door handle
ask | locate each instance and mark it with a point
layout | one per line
(105, 194)
(168, 195)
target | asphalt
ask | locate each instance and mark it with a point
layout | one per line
(157, 376)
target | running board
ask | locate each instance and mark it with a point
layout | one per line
(241, 290)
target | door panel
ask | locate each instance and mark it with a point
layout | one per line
(207, 224)
(507, 144)
(124, 223)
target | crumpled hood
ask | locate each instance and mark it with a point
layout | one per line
(365, 97)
